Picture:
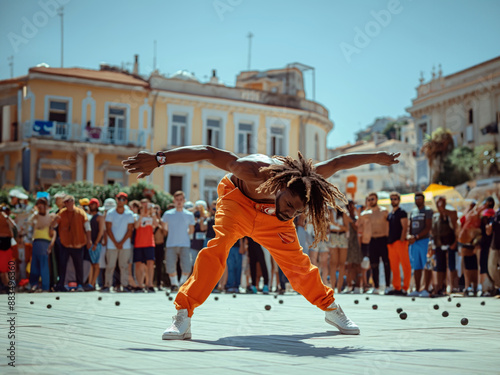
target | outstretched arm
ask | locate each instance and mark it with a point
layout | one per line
(329, 167)
(145, 162)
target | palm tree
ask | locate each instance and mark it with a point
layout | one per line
(436, 148)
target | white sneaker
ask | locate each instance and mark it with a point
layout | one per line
(415, 293)
(424, 294)
(356, 291)
(338, 319)
(180, 328)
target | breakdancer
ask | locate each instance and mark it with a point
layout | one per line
(259, 198)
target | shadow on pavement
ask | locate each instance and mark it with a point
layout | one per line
(283, 344)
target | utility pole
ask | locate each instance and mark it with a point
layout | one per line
(249, 36)
(10, 59)
(60, 12)
(154, 58)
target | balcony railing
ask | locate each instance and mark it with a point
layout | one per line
(62, 131)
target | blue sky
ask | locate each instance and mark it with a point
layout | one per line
(367, 54)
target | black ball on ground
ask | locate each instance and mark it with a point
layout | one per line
(280, 301)
(374, 307)
(464, 321)
(449, 299)
(399, 310)
(234, 295)
(117, 303)
(170, 298)
(31, 302)
(276, 296)
(367, 298)
(356, 301)
(167, 293)
(445, 314)
(267, 307)
(57, 298)
(99, 298)
(436, 307)
(403, 315)
(216, 298)
(483, 303)
(458, 304)
(413, 298)
(49, 306)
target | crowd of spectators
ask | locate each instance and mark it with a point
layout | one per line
(62, 244)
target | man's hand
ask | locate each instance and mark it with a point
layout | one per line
(385, 158)
(143, 163)
(89, 244)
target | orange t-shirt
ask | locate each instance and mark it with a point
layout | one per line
(72, 228)
(144, 235)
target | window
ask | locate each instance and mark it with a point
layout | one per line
(277, 141)
(471, 116)
(113, 177)
(213, 132)
(371, 167)
(58, 111)
(469, 133)
(245, 138)
(316, 146)
(179, 125)
(369, 184)
(175, 183)
(210, 190)
(116, 123)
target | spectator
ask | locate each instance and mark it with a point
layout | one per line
(54, 265)
(468, 240)
(200, 229)
(444, 239)
(180, 225)
(144, 246)
(108, 204)
(319, 256)
(7, 228)
(119, 227)
(84, 204)
(493, 229)
(354, 254)
(134, 206)
(256, 255)
(337, 247)
(234, 263)
(304, 238)
(397, 245)
(365, 236)
(160, 234)
(97, 230)
(487, 213)
(74, 232)
(43, 234)
(378, 242)
(419, 230)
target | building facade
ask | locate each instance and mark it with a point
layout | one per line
(467, 103)
(61, 125)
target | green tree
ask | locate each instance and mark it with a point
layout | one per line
(436, 148)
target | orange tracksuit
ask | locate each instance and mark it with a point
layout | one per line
(238, 216)
(398, 254)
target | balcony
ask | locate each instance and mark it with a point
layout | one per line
(61, 131)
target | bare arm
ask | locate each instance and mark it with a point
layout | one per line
(110, 234)
(191, 229)
(145, 162)
(404, 231)
(329, 167)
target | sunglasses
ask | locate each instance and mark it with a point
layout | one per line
(68, 201)
(122, 199)
(394, 199)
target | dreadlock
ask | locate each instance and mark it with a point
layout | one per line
(301, 177)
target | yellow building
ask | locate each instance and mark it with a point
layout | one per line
(61, 125)
(68, 124)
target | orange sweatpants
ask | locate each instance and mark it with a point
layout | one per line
(238, 216)
(398, 254)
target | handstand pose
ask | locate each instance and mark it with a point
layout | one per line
(259, 198)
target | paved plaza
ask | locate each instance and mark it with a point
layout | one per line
(81, 334)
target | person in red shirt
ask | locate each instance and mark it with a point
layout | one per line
(144, 245)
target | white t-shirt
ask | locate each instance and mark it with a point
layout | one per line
(119, 227)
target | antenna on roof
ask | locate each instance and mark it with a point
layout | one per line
(154, 57)
(249, 36)
(10, 59)
(60, 12)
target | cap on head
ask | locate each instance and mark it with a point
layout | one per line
(121, 194)
(201, 203)
(109, 203)
(84, 202)
(42, 200)
(94, 200)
